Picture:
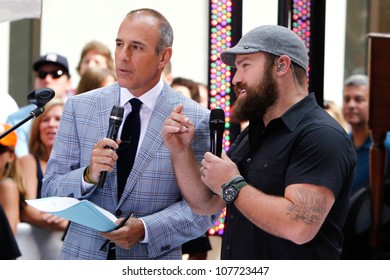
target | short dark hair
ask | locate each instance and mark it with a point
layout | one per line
(298, 71)
(166, 32)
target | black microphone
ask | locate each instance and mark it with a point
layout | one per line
(41, 96)
(115, 121)
(217, 127)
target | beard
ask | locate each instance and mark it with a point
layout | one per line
(258, 99)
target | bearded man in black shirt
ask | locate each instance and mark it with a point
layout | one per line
(286, 179)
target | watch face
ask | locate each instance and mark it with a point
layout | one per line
(229, 194)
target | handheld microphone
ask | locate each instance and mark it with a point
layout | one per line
(41, 96)
(115, 121)
(217, 127)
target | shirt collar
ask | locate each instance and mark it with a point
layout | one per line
(149, 98)
(365, 146)
(294, 115)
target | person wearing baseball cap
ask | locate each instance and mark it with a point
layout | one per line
(51, 71)
(10, 140)
(286, 180)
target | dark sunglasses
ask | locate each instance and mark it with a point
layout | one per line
(54, 74)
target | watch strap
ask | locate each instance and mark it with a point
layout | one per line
(237, 183)
(240, 184)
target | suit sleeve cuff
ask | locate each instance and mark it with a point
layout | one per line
(146, 239)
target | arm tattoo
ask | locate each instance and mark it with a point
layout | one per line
(309, 209)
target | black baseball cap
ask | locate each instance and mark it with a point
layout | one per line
(52, 58)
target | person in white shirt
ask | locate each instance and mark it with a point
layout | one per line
(8, 106)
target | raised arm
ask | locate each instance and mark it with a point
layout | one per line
(178, 133)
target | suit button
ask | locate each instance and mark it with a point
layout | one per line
(165, 248)
(118, 213)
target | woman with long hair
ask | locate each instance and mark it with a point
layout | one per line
(47, 229)
(11, 195)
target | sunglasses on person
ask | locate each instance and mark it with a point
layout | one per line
(54, 74)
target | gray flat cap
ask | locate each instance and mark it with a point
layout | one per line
(274, 39)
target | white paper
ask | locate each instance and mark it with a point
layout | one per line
(79, 211)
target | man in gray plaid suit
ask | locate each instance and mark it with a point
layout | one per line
(161, 219)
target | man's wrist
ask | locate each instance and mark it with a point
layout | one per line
(87, 177)
(231, 189)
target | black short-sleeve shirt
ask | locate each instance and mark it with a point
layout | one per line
(304, 145)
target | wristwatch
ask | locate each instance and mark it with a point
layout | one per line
(231, 189)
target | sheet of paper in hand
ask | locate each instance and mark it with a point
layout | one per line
(83, 212)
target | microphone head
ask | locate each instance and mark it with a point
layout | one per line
(41, 96)
(217, 120)
(116, 116)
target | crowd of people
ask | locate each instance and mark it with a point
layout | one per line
(285, 183)
(27, 150)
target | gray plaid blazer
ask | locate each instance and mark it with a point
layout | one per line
(151, 192)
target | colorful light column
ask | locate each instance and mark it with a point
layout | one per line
(301, 21)
(220, 75)
(308, 21)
